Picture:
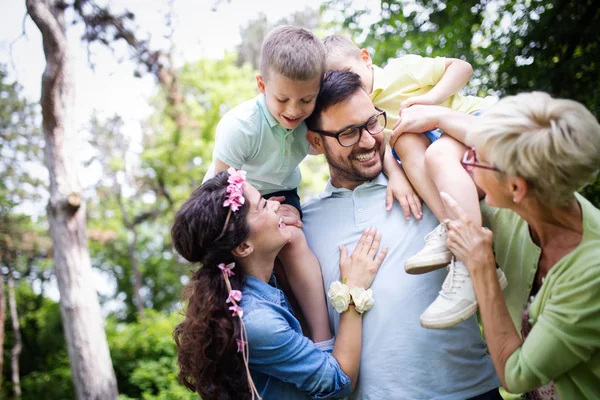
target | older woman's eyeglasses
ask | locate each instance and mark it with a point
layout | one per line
(350, 135)
(470, 161)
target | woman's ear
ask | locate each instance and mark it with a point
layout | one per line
(519, 188)
(243, 250)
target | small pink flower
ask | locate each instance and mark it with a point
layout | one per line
(236, 310)
(237, 177)
(240, 345)
(234, 200)
(234, 295)
(227, 268)
(235, 189)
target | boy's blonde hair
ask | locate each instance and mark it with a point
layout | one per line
(338, 45)
(294, 52)
(554, 144)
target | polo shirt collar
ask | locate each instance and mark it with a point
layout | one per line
(380, 180)
(378, 80)
(262, 104)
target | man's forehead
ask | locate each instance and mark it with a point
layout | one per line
(356, 109)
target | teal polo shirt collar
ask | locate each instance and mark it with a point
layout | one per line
(380, 180)
(262, 104)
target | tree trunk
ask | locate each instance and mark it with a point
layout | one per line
(91, 366)
(16, 350)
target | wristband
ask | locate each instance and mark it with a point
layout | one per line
(340, 297)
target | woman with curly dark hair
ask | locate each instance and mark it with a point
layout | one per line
(240, 339)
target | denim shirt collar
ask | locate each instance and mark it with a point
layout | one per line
(265, 290)
(380, 180)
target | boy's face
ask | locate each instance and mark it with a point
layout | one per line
(289, 101)
(361, 65)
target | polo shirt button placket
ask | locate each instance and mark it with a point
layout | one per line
(360, 211)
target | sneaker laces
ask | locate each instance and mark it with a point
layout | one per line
(453, 281)
(438, 232)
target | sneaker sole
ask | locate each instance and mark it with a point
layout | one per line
(460, 317)
(429, 264)
(452, 320)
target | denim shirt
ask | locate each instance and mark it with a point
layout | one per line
(285, 364)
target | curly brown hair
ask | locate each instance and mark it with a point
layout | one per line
(206, 340)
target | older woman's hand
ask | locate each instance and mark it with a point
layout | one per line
(416, 119)
(471, 244)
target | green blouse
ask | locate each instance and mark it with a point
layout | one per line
(564, 343)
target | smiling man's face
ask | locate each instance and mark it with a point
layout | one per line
(354, 165)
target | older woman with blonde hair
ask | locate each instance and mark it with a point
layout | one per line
(530, 155)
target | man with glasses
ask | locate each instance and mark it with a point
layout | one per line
(400, 359)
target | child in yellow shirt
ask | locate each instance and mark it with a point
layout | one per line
(431, 160)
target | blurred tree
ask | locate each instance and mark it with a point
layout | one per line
(45, 371)
(179, 159)
(22, 185)
(112, 149)
(127, 224)
(86, 340)
(146, 358)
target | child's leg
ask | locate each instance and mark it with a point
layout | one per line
(442, 164)
(411, 149)
(456, 301)
(304, 276)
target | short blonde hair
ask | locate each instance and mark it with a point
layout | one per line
(294, 52)
(338, 45)
(554, 144)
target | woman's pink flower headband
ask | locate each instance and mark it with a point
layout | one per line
(235, 193)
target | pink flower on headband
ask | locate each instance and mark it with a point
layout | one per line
(235, 189)
(236, 177)
(234, 200)
(234, 295)
(240, 345)
(227, 268)
(236, 310)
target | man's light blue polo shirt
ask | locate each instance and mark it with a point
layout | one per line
(248, 137)
(400, 359)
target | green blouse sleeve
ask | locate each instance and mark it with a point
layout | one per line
(566, 330)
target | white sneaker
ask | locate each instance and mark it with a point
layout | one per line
(456, 301)
(434, 255)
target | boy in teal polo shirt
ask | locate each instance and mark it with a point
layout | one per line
(266, 137)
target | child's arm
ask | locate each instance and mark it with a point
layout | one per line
(400, 188)
(458, 73)
(425, 118)
(220, 166)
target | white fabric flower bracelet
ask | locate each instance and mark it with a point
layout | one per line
(340, 297)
